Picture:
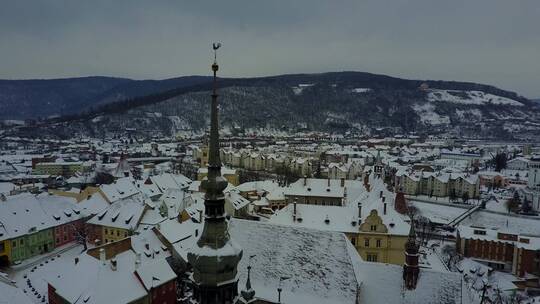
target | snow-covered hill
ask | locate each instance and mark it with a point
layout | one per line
(334, 102)
(470, 97)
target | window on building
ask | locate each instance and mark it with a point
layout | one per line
(125, 234)
(372, 257)
(366, 242)
(353, 240)
(106, 231)
(378, 243)
(21, 242)
(117, 233)
(373, 228)
(65, 237)
(14, 244)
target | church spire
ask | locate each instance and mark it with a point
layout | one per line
(215, 257)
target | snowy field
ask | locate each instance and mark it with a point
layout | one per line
(429, 116)
(470, 98)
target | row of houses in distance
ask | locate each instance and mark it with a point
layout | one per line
(439, 184)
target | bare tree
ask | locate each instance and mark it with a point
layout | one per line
(450, 255)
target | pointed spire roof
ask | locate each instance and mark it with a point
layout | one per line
(411, 246)
(248, 295)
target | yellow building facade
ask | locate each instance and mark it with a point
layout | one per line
(5, 252)
(112, 234)
(229, 174)
(375, 244)
(78, 196)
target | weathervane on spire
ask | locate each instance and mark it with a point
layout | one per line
(216, 46)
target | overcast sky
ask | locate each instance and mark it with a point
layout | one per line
(488, 41)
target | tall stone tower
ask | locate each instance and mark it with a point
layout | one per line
(215, 257)
(411, 269)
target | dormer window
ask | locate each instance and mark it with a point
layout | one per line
(373, 228)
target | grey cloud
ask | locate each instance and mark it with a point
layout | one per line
(489, 41)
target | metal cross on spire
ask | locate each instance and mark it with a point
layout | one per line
(216, 46)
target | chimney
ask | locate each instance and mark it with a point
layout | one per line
(384, 210)
(113, 264)
(305, 180)
(200, 216)
(359, 212)
(76, 260)
(328, 182)
(137, 260)
(294, 211)
(380, 194)
(196, 232)
(342, 182)
(384, 199)
(147, 246)
(102, 256)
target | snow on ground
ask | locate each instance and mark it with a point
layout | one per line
(297, 90)
(361, 90)
(316, 262)
(444, 214)
(467, 114)
(428, 116)
(179, 123)
(34, 275)
(97, 119)
(430, 256)
(13, 122)
(470, 97)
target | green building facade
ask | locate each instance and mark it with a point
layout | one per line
(30, 245)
